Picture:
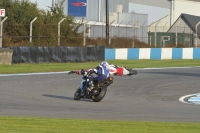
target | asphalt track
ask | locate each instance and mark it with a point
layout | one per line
(151, 95)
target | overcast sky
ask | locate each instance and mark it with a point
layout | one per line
(154, 13)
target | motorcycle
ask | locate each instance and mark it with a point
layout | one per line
(96, 90)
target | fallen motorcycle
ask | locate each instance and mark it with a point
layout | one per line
(122, 71)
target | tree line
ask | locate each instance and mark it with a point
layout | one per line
(16, 28)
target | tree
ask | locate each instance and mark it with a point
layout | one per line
(21, 13)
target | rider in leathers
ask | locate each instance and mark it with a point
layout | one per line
(101, 71)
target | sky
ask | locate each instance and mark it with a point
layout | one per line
(154, 13)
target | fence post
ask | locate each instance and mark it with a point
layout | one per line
(142, 30)
(93, 28)
(164, 27)
(133, 43)
(102, 29)
(118, 27)
(110, 31)
(59, 30)
(1, 31)
(197, 32)
(126, 27)
(156, 34)
(177, 33)
(84, 33)
(89, 30)
(31, 29)
(184, 33)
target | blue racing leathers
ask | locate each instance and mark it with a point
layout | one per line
(101, 73)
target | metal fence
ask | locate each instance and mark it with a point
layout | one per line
(175, 35)
(58, 35)
(97, 30)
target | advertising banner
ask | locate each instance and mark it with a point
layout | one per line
(77, 8)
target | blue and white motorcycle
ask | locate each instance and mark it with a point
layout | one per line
(96, 90)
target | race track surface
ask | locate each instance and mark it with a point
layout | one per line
(151, 95)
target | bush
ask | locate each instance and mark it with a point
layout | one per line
(45, 28)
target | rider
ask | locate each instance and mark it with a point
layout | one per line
(101, 71)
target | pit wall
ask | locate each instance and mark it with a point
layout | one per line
(152, 53)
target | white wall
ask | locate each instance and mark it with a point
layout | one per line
(185, 6)
(191, 7)
(157, 3)
(161, 25)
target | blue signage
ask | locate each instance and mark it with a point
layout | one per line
(77, 8)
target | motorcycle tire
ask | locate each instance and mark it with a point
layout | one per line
(77, 95)
(132, 72)
(101, 95)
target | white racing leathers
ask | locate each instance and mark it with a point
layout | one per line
(117, 70)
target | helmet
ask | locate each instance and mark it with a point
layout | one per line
(104, 63)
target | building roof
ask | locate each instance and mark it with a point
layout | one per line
(158, 20)
(190, 20)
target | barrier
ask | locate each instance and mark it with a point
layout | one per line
(152, 53)
(6, 56)
(57, 54)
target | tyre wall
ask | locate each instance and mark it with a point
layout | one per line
(57, 54)
(152, 53)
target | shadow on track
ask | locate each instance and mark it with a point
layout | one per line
(60, 97)
(64, 97)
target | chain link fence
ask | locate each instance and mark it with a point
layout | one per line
(174, 36)
(95, 34)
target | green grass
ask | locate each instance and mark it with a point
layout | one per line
(53, 125)
(57, 67)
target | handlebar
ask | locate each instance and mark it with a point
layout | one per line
(88, 74)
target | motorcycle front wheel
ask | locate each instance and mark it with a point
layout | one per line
(77, 95)
(100, 96)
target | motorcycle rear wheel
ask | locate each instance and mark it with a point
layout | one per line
(102, 93)
(77, 95)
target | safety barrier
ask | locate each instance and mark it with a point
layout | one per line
(57, 54)
(152, 53)
(6, 56)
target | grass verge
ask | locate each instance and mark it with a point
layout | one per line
(57, 67)
(52, 125)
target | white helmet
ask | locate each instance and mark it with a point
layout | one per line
(104, 63)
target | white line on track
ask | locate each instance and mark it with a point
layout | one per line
(167, 68)
(25, 74)
(182, 99)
